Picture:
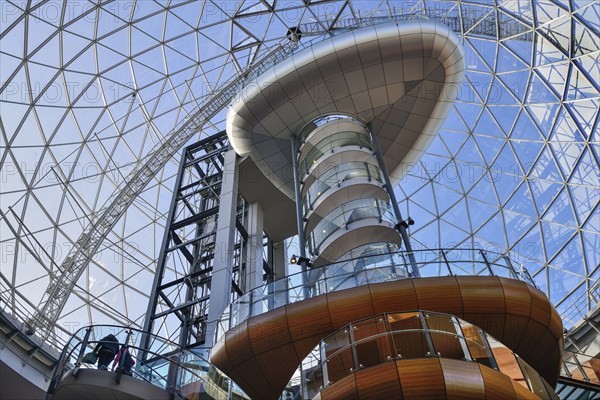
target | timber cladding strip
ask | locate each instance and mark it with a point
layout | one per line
(427, 378)
(262, 353)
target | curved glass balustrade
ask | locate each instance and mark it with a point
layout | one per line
(310, 127)
(158, 361)
(337, 175)
(346, 214)
(410, 335)
(329, 145)
(367, 270)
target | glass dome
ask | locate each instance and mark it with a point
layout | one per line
(88, 91)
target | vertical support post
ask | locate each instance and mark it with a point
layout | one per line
(172, 375)
(254, 248)
(280, 270)
(324, 365)
(299, 218)
(122, 360)
(390, 190)
(461, 339)
(298, 198)
(220, 292)
(84, 343)
(428, 335)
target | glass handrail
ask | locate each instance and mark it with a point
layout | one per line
(346, 214)
(366, 270)
(158, 361)
(382, 338)
(332, 144)
(337, 175)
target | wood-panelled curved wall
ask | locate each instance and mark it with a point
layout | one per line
(427, 378)
(262, 353)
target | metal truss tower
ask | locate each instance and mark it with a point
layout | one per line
(178, 306)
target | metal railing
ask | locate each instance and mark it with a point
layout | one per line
(411, 335)
(180, 372)
(581, 367)
(367, 270)
(471, 20)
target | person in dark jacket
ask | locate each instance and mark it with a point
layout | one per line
(106, 349)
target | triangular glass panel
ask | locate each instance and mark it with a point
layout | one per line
(145, 9)
(505, 173)
(489, 147)
(580, 87)
(481, 82)
(555, 75)
(507, 61)
(555, 236)
(451, 233)
(213, 14)
(485, 49)
(425, 234)
(175, 26)
(49, 120)
(549, 49)
(479, 213)
(544, 191)
(185, 45)
(510, 26)
(529, 251)
(591, 241)
(38, 31)
(516, 82)
(567, 155)
(108, 19)
(539, 91)
(584, 40)
(423, 198)
(543, 115)
(505, 116)
(470, 113)
(526, 152)
(521, 46)
(521, 202)
(487, 125)
(142, 43)
(519, 9)
(526, 129)
(48, 54)
(454, 121)
(584, 201)
(483, 190)
(547, 11)
(585, 112)
(517, 224)
(494, 232)
(29, 134)
(450, 197)
(438, 145)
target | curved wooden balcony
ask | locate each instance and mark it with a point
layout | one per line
(428, 378)
(262, 352)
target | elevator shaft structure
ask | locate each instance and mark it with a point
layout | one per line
(181, 291)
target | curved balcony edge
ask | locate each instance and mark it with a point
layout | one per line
(143, 365)
(269, 347)
(428, 378)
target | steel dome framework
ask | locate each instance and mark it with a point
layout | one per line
(90, 91)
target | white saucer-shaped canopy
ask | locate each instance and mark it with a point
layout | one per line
(400, 78)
